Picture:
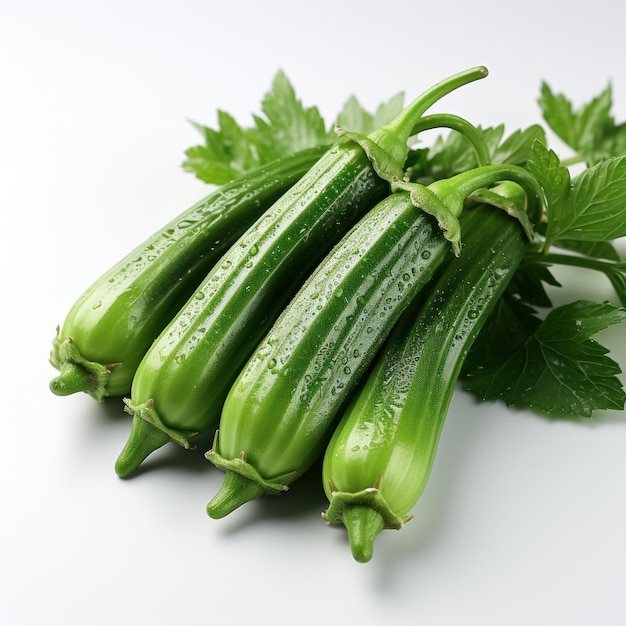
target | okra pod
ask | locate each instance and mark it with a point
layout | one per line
(111, 325)
(212, 336)
(380, 456)
(280, 411)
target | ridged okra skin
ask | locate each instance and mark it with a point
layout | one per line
(379, 459)
(279, 413)
(180, 386)
(110, 327)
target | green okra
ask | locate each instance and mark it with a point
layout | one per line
(280, 411)
(111, 325)
(181, 384)
(380, 456)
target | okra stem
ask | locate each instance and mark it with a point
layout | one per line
(394, 136)
(460, 125)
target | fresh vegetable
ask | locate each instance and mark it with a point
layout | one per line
(550, 364)
(112, 324)
(283, 126)
(380, 456)
(285, 335)
(213, 334)
(279, 412)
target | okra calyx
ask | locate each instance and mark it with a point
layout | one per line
(76, 373)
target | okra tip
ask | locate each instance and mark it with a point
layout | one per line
(72, 379)
(143, 440)
(363, 524)
(235, 491)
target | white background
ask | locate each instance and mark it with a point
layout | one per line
(524, 519)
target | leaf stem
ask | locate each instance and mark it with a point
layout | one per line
(573, 160)
(578, 261)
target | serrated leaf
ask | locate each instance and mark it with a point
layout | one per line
(559, 114)
(492, 362)
(556, 368)
(516, 149)
(227, 152)
(355, 118)
(596, 207)
(594, 122)
(590, 130)
(283, 126)
(290, 126)
(202, 162)
(554, 178)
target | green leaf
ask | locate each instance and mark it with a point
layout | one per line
(554, 178)
(528, 283)
(559, 114)
(202, 162)
(590, 130)
(387, 111)
(288, 126)
(595, 209)
(225, 155)
(551, 366)
(517, 148)
(354, 117)
(283, 126)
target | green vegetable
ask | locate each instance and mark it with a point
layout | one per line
(550, 363)
(285, 126)
(112, 324)
(211, 337)
(380, 456)
(276, 418)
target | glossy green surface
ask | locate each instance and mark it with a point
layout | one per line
(283, 404)
(116, 319)
(190, 367)
(386, 442)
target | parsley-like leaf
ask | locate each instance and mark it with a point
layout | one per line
(590, 130)
(227, 152)
(595, 207)
(354, 117)
(553, 177)
(283, 126)
(551, 366)
(517, 148)
(288, 126)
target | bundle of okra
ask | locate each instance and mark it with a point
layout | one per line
(324, 306)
